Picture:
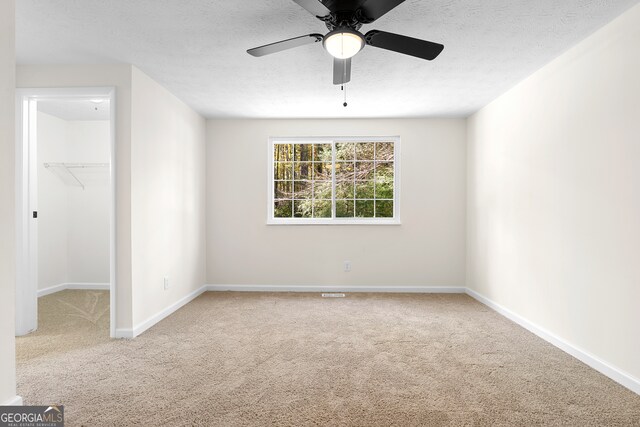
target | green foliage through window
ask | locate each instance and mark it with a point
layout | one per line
(333, 180)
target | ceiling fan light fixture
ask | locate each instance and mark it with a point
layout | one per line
(343, 43)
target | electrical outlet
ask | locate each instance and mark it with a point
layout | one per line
(347, 266)
(166, 283)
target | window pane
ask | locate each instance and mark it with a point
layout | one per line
(302, 170)
(344, 171)
(344, 190)
(282, 171)
(345, 151)
(282, 209)
(364, 170)
(384, 168)
(322, 171)
(364, 208)
(302, 208)
(384, 180)
(302, 152)
(302, 189)
(364, 189)
(384, 208)
(322, 153)
(322, 209)
(344, 208)
(322, 190)
(384, 189)
(283, 189)
(384, 151)
(364, 150)
(282, 152)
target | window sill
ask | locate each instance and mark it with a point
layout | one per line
(287, 221)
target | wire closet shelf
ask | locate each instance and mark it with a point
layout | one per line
(79, 174)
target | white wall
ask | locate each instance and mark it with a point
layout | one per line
(7, 202)
(89, 209)
(553, 199)
(167, 196)
(53, 205)
(73, 223)
(428, 249)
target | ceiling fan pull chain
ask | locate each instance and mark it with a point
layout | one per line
(344, 88)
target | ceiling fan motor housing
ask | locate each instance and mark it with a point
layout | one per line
(342, 19)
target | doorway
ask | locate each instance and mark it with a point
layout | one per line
(65, 163)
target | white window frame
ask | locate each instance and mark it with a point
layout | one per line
(271, 220)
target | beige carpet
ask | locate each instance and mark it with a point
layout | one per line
(67, 321)
(234, 359)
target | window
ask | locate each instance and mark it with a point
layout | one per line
(333, 180)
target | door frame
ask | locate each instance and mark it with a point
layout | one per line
(27, 203)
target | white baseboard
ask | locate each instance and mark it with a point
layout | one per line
(93, 286)
(51, 290)
(314, 288)
(124, 333)
(16, 401)
(143, 326)
(63, 286)
(587, 358)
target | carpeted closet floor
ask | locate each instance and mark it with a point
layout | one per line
(235, 359)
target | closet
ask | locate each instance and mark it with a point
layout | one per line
(73, 144)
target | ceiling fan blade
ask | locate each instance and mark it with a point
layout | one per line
(314, 7)
(285, 44)
(341, 71)
(403, 44)
(374, 9)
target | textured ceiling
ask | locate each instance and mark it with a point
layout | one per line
(196, 49)
(74, 109)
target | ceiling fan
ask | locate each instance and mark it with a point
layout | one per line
(344, 18)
